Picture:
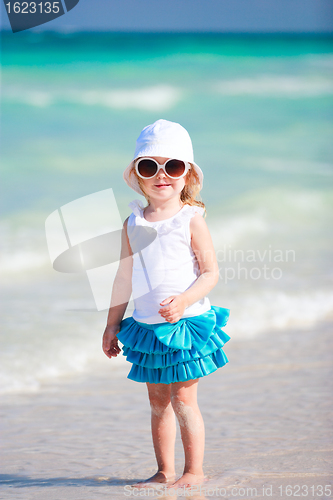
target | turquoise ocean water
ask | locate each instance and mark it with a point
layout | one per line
(259, 112)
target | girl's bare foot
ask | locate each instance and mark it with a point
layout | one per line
(159, 477)
(188, 480)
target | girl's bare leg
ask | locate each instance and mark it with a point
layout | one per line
(163, 426)
(184, 403)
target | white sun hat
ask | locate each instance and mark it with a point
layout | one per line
(166, 139)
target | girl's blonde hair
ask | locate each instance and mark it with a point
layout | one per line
(189, 192)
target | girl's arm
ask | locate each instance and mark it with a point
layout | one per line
(121, 293)
(203, 249)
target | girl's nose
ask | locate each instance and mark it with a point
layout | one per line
(160, 173)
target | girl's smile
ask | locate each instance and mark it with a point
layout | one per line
(162, 185)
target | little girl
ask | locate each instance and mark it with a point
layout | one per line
(168, 263)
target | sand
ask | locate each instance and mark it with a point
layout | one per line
(268, 419)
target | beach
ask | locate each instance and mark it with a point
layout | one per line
(267, 413)
(259, 113)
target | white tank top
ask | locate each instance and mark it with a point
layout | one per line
(167, 266)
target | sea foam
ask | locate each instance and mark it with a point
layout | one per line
(276, 86)
(154, 98)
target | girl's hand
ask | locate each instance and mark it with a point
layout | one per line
(110, 342)
(175, 310)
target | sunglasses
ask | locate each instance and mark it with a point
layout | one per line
(146, 168)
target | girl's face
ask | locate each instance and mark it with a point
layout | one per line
(161, 186)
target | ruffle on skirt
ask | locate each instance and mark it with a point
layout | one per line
(164, 353)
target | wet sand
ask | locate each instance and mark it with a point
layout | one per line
(268, 418)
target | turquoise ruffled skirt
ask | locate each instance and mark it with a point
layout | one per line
(164, 353)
